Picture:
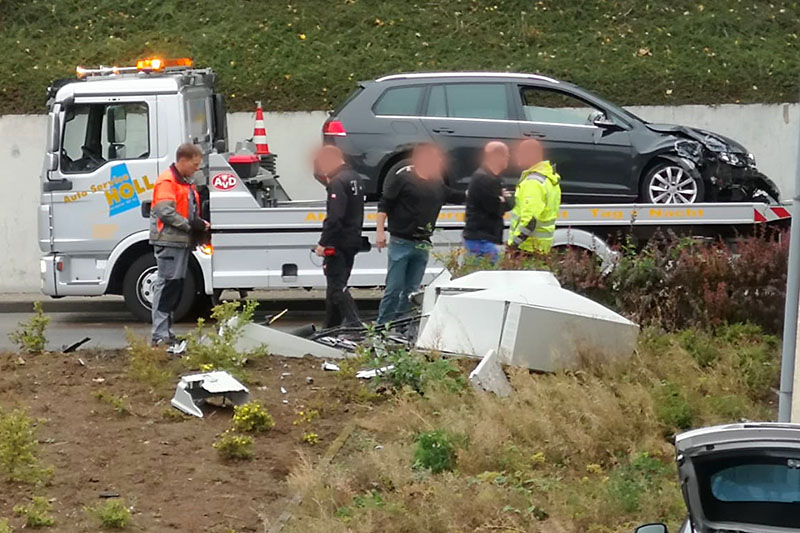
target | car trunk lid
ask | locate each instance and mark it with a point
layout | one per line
(741, 477)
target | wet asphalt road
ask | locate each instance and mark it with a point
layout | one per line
(104, 319)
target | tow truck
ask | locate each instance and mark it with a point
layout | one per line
(112, 130)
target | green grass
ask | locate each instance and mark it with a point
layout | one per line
(308, 54)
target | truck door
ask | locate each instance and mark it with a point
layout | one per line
(107, 165)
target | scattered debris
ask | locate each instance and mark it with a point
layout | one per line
(330, 367)
(75, 345)
(309, 380)
(109, 494)
(81, 362)
(179, 348)
(99, 380)
(283, 391)
(286, 402)
(285, 374)
(282, 343)
(526, 317)
(373, 372)
(193, 390)
(489, 376)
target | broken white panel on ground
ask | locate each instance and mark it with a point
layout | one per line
(278, 342)
(193, 391)
(527, 318)
(489, 376)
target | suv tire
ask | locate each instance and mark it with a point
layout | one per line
(669, 183)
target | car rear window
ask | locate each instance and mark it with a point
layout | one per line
(402, 101)
(468, 100)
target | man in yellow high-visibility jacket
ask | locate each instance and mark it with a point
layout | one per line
(536, 201)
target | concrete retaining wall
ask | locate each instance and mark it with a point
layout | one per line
(769, 131)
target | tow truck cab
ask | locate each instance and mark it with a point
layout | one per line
(110, 132)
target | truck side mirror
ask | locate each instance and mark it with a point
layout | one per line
(117, 121)
(652, 528)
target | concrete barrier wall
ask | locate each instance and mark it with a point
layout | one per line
(769, 131)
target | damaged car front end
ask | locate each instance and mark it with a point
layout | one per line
(727, 170)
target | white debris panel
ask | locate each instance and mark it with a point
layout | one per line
(193, 391)
(283, 343)
(527, 317)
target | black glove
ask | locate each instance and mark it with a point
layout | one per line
(198, 224)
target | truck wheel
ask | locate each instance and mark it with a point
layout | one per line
(669, 183)
(137, 288)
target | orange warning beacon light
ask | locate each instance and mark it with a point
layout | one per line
(155, 64)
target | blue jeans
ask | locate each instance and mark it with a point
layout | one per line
(407, 262)
(482, 249)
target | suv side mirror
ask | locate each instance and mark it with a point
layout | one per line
(600, 120)
(652, 528)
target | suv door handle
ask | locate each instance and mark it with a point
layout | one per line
(442, 130)
(534, 134)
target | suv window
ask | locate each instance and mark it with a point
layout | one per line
(545, 105)
(469, 100)
(97, 133)
(402, 101)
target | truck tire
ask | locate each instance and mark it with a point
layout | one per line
(137, 290)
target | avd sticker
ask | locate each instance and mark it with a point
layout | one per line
(224, 181)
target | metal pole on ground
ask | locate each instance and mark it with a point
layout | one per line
(787, 410)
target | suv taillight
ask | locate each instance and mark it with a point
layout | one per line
(334, 127)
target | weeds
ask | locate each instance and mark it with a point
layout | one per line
(36, 513)
(148, 364)
(214, 348)
(5, 527)
(119, 403)
(582, 450)
(112, 514)
(30, 336)
(19, 449)
(252, 418)
(231, 446)
(310, 438)
(435, 451)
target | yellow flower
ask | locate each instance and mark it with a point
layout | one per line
(302, 36)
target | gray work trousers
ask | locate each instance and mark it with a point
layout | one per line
(167, 290)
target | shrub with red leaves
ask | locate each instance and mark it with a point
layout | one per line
(672, 282)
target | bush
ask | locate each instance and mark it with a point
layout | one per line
(36, 513)
(435, 451)
(309, 437)
(234, 447)
(630, 481)
(252, 418)
(214, 348)
(19, 448)
(29, 336)
(674, 282)
(672, 408)
(112, 514)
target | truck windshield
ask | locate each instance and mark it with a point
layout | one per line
(97, 133)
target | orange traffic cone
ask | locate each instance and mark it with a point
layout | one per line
(260, 132)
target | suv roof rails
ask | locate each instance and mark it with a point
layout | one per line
(413, 75)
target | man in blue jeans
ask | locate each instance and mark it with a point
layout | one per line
(411, 201)
(487, 203)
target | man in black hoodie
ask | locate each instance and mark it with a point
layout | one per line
(487, 203)
(411, 201)
(341, 232)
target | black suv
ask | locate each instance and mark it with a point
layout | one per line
(603, 152)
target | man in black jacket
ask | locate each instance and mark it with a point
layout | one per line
(411, 201)
(487, 203)
(341, 233)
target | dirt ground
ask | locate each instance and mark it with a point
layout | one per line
(162, 465)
